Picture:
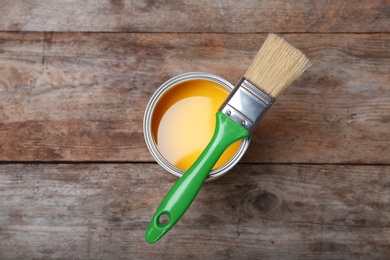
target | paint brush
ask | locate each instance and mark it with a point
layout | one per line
(276, 65)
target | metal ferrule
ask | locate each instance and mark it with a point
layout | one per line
(246, 104)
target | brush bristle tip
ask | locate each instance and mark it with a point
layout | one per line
(276, 66)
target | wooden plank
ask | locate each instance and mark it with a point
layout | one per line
(81, 97)
(101, 211)
(196, 16)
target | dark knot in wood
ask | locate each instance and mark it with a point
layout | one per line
(265, 202)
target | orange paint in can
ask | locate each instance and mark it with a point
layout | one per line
(183, 122)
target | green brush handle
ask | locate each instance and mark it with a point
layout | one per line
(184, 191)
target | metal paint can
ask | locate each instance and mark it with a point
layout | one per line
(151, 111)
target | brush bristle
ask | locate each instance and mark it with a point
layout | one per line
(276, 65)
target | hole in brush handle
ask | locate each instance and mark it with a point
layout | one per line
(163, 220)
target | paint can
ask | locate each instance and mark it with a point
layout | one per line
(179, 121)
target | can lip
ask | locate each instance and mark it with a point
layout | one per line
(214, 174)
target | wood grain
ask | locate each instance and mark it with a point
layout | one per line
(101, 211)
(76, 179)
(196, 16)
(81, 96)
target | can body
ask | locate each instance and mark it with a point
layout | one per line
(156, 107)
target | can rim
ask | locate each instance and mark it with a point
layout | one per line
(150, 143)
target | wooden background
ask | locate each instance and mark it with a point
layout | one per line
(76, 178)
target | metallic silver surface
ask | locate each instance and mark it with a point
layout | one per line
(151, 144)
(246, 104)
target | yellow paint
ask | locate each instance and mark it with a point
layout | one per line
(184, 121)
